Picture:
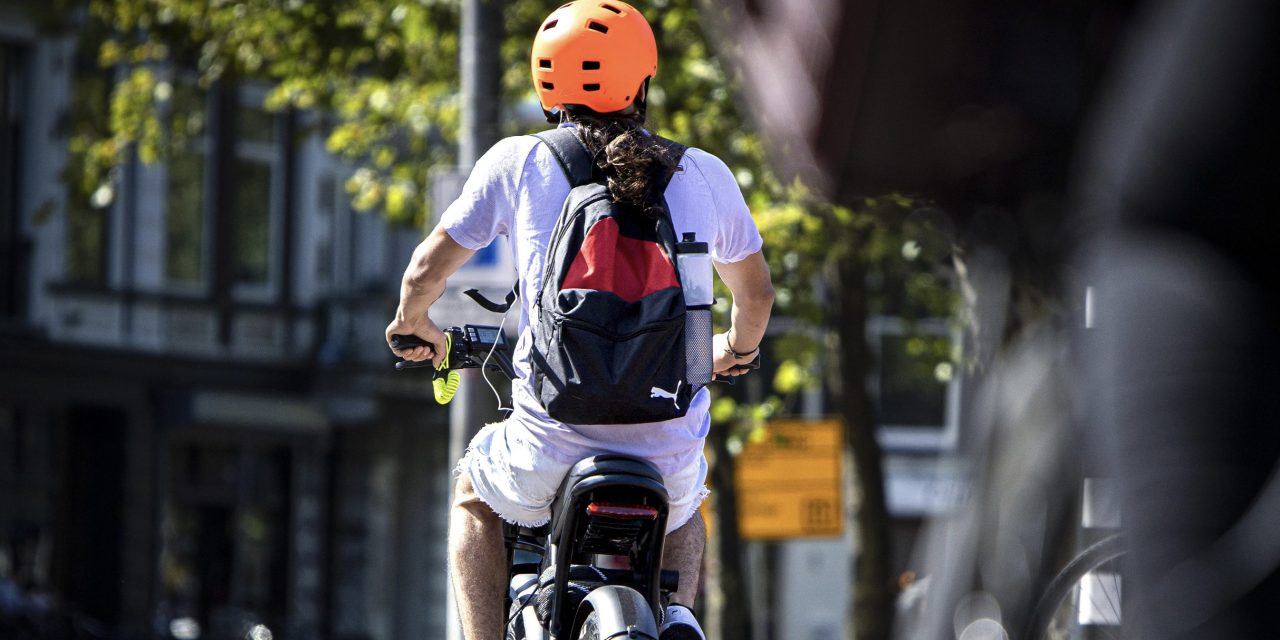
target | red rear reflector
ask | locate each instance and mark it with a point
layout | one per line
(623, 511)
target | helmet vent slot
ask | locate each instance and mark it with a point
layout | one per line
(591, 87)
(611, 8)
(548, 86)
(596, 26)
(590, 65)
(550, 24)
(544, 63)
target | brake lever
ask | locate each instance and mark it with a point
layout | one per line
(409, 364)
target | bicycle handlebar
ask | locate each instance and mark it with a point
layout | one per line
(470, 346)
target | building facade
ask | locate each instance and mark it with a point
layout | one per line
(200, 429)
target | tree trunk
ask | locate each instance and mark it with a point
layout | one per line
(871, 610)
(727, 598)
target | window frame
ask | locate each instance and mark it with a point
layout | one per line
(202, 145)
(250, 95)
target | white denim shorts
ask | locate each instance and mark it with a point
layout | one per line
(519, 482)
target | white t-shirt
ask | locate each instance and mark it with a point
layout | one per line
(518, 190)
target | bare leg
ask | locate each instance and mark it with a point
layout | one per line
(683, 553)
(477, 563)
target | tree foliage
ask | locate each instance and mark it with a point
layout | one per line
(902, 244)
(385, 75)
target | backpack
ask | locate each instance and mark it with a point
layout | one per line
(608, 332)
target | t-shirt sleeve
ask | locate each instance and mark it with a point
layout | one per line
(736, 234)
(486, 206)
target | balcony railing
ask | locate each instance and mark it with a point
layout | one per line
(347, 330)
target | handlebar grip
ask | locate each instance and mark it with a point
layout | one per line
(399, 341)
(749, 366)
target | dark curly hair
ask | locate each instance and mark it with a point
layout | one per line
(633, 161)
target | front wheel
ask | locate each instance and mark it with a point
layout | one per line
(615, 612)
(1086, 593)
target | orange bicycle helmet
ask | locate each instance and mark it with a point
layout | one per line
(593, 53)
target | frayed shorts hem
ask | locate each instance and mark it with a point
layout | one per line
(510, 511)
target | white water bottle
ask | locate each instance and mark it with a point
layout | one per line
(694, 263)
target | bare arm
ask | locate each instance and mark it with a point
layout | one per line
(752, 289)
(435, 259)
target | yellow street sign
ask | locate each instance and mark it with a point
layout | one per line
(788, 482)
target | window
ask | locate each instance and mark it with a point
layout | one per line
(911, 393)
(913, 385)
(87, 221)
(328, 196)
(256, 201)
(185, 226)
(252, 212)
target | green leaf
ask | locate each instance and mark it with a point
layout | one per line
(723, 410)
(790, 377)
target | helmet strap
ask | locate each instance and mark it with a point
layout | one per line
(642, 100)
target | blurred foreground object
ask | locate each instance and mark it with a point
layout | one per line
(1178, 188)
(970, 108)
(978, 104)
(961, 101)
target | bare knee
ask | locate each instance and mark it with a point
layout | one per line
(466, 499)
(464, 491)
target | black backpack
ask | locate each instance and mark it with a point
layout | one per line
(608, 336)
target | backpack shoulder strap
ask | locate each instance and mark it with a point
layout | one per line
(575, 160)
(677, 149)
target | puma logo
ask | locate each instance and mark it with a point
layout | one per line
(656, 392)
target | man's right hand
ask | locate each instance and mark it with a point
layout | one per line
(424, 328)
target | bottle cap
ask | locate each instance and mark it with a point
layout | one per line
(690, 244)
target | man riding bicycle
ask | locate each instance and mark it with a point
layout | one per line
(602, 55)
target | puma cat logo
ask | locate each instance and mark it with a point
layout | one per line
(655, 392)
